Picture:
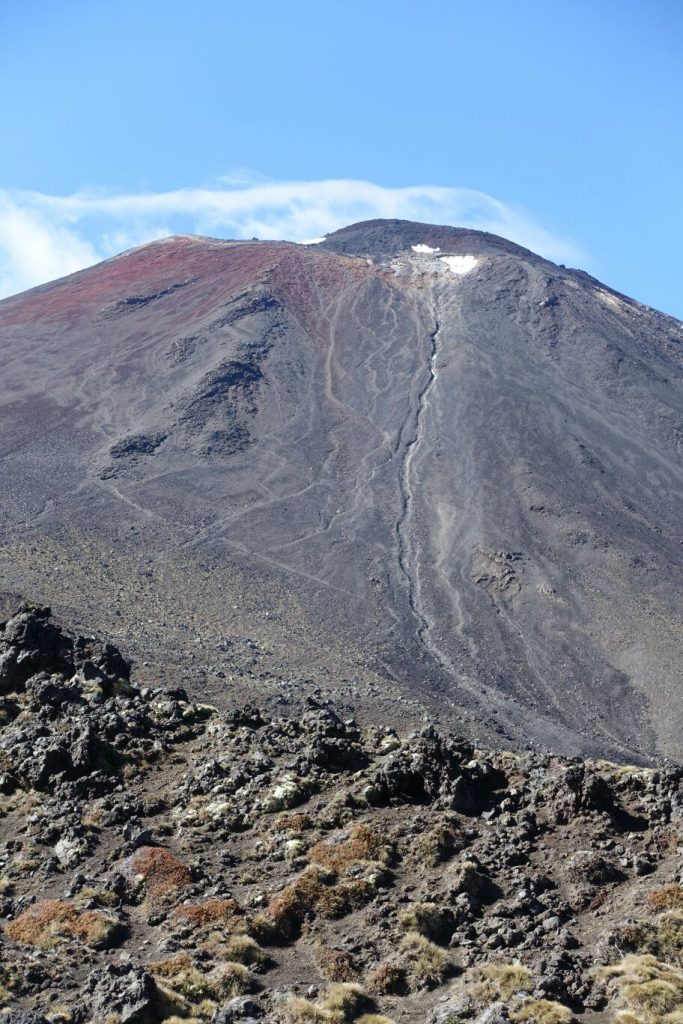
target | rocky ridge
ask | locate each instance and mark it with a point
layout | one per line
(162, 860)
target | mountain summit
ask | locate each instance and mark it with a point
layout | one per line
(419, 464)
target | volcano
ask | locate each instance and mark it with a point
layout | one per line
(417, 466)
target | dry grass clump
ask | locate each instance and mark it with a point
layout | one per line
(162, 872)
(96, 929)
(670, 897)
(340, 899)
(336, 965)
(290, 907)
(542, 1011)
(230, 980)
(440, 843)
(104, 897)
(429, 920)
(314, 893)
(47, 922)
(242, 949)
(668, 838)
(387, 979)
(223, 914)
(426, 964)
(186, 991)
(9, 979)
(346, 1001)
(303, 1011)
(343, 1004)
(500, 982)
(179, 977)
(362, 844)
(264, 929)
(662, 939)
(373, 1018)
(645, 990)
(297, 821)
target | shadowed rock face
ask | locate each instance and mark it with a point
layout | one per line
(464, 474)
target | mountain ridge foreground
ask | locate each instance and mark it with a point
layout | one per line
(164, 861)
(419, 468)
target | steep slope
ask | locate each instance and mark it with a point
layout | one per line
(421, 460)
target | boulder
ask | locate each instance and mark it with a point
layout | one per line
(124, 990)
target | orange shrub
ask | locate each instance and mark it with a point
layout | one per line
(171, 966)
(314, 893)
(212, 913)
(289, 908)
(670, 897)
(387, 979)
(339, 900)
(46, 922)
(162, 872)
(295, 822)
(363, 844)
(336, 965)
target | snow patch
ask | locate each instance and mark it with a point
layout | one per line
(609, 299)
(313, 241)
(423, 248)
(460, 264)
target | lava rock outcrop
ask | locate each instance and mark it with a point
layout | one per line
(227, 866)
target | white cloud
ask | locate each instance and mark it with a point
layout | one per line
(35, 248)
(44, 236)
(131, 235)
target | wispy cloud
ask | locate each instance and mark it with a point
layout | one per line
(44, 236)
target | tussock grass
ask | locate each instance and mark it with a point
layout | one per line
(426, 964)
(296, 821)
(373, 1018)
(48, 922)
(543, 1011)
(645, 990)
(230, 980)
(303, 1011)
(336, 965)
(500, 982)
(179, 977)
(439, 844)
(185, 991)
(242, 949)
(342, 1004)
(662, 939)
(427, 919)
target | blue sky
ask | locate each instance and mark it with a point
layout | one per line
(558, 124)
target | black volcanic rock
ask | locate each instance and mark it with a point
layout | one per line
(387, 238)
(231, 862)
(419, 462)
(29, 644)
(34, 649)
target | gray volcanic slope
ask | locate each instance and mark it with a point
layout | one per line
(460, 489)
